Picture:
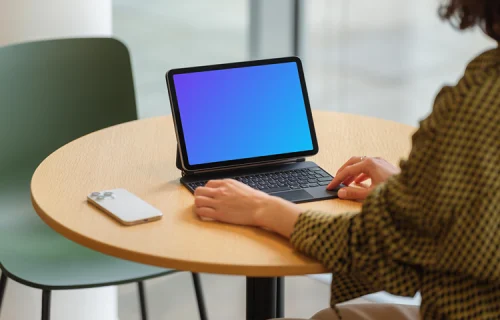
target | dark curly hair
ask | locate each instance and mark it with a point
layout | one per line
(464, 14)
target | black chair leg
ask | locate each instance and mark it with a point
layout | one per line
(142, 300)
(3, 284)
(280, 297)
(46, 304)
(199, 296)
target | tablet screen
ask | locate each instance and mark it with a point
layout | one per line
(242, 113)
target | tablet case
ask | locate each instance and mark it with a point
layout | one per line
(178, 162)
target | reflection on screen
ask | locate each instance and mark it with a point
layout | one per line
(242, 113)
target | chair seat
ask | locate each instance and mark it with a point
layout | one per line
(33, 254)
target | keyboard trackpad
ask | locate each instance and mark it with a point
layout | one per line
(294, 195)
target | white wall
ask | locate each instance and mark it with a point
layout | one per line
(27, 20)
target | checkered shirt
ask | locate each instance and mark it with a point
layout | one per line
(434, 228)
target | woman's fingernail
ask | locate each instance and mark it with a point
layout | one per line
(342, 193)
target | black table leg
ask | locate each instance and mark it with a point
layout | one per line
(199, 296)
(280, 298)
(261, 298)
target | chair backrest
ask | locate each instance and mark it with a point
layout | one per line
(52, 92)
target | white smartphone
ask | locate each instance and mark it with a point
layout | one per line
(124, 206)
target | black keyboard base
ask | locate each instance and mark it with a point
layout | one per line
(285, 181)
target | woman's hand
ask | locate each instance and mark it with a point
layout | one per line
(359, 169)
(234, 202)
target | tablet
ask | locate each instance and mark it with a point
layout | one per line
(241, 114)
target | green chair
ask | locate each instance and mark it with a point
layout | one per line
(52, 92)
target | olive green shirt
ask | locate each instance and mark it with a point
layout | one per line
(434, 228)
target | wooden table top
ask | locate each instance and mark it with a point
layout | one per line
(140, 157)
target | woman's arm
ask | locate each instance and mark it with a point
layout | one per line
(234, 202)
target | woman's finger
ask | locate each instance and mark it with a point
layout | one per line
(206, 192)
(361, 178)
(205, 212)
(347, 181)
(201, 201)
(353, 170)
(353, 193)
(349, 162)
(214, 183)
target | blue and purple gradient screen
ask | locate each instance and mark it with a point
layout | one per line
(242, 113)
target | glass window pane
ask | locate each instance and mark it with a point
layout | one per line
(384, 58)
(162, 35)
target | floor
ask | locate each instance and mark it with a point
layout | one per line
(384, 58)
(173, 298)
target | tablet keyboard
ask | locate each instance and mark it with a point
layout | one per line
(281, 180)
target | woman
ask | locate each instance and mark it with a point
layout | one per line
(431, 226)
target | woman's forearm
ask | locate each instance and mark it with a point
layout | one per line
(278, 216)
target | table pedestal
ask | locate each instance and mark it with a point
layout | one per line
(265, 298)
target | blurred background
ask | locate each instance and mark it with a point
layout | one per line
(384, 58)
(380, 58)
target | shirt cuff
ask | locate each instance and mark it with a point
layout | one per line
(324, 237)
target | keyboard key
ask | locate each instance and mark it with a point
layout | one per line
(276, 189)
(280, 181)
(325, 179)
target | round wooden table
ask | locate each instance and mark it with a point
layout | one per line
(140, 157)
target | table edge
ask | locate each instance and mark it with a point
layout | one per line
(203, 267)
